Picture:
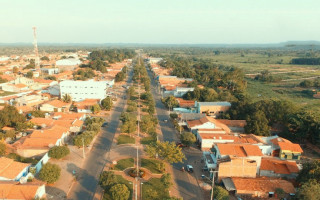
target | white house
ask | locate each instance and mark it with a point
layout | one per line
(16, 190)
(11, 170)
(50, 71)
(80, 90)
(68, 62)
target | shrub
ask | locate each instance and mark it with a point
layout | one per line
(2, 148)
(58, 152)
(83, 139)
(50, 173)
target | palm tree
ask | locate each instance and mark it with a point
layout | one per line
(66, 98)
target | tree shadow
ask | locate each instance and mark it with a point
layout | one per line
(54, 193)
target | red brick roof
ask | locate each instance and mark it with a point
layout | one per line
(263, 185)
(239, 150)
(287, 145)
(279, 166)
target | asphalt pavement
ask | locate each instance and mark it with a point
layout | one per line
(95, 161)
(187, 182)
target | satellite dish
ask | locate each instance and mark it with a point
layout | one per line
(23, 180)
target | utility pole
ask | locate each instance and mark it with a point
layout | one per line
(35, 46)
(83, 154)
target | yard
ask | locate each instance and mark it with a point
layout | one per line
(155, 166)
(124, 164)
(154, 189)
(126, 139)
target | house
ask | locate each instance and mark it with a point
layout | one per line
(8, 87)
(176, 91)
(229, 150)
(236, 126)
(237, 167)
(153, 60)
(39, 142)
(49, 71)
(68, 64)
(207, 123)
(185, 103)
(66, 116)
(80, 90)
(15, 190)
(55, 106)
(272, 167)
(11, 170)
(213, 109)
(260, 187)
(287, 150)
(85, 105)
(23, 80)
(30, 100)
(74, 125)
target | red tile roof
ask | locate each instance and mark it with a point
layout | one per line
(279, 166)
(239, 150)
(15, 190)
(287, 145)
(263, 185)
(11, 169)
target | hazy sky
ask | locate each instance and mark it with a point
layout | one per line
(160, 21)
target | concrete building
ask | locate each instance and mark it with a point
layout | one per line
(213, 109)
(80, 90)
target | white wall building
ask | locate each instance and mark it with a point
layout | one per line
(80, 90)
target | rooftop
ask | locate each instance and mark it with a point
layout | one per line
(279, 166)
(11, 169)
(239, 150)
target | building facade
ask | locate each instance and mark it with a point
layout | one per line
(81, 90)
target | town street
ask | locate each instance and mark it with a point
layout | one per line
(86, 185)
(187, 183)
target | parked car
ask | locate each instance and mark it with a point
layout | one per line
(165, 120)
(189, 168)
(105, 124)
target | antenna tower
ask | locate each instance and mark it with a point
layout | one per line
(35, 46)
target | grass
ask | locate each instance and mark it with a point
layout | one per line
(120, 180)
(156, 185)
(152, 165)
(148, 140)
(126, 139)
(124, 164)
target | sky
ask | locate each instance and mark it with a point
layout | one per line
(160, 21)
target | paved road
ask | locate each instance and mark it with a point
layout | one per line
(187, 183)
(85, 188)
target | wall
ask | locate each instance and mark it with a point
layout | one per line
(31, 152)
(272, 174)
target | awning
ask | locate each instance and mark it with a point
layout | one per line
(228, 184)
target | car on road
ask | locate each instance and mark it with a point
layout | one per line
(189, 168)
(105, 124)
(165, 120)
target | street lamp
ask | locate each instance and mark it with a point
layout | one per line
(203, 176)
(141, 190)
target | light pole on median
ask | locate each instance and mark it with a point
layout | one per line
(141, 190)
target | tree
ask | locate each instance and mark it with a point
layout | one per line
(9, 116)
(3, 148)
(29, 74)
(129, 127)
(119, 192)
(131, 91)
(309, 190)
(83, 139)
(310, 170)
(10, 134)
(107, 179)
(188, 138)
(120, 76)
(45, 58)
(148, 123)
(257, 124)
(170, 102)
(151, 194)
(53, 78)
(37, 113)
(50, 173)
(166, 180)
(66, 98)
(59, 152)
(107, 103)
(167, 151)
(95, 109)
(219, 193)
